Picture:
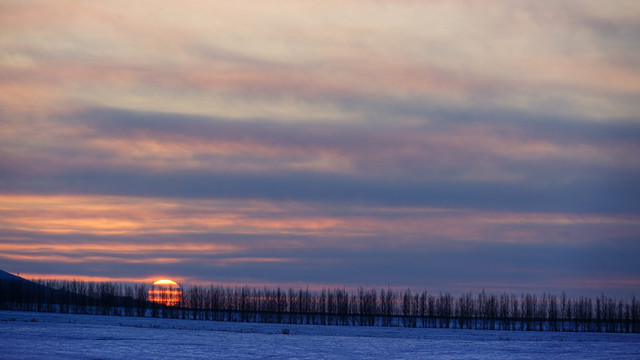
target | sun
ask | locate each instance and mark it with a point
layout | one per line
(165, 292)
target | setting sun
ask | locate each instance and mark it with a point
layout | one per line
(165, 292)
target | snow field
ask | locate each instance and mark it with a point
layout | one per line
(30, 335)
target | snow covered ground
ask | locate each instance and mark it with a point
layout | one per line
(27, 335)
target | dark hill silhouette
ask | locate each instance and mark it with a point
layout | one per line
(22, 294)
(17, 290)
(17, 293)
(8, 276)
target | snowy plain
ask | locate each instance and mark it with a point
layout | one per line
(30, 335)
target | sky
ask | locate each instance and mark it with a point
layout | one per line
(442, 145)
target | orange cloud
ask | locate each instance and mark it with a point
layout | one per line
(79, 258)
(120, 248)
(127, 216)
(72, 277)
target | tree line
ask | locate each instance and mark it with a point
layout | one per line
(337, 306)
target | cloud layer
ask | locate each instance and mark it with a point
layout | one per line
(438, 144)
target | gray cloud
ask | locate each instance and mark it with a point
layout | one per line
(442, 163)
(509, 267)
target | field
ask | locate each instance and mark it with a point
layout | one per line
(30, 335)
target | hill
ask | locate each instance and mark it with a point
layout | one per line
(4, 276)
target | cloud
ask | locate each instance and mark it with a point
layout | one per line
(577, 269)
(513, 162)
(386, 139)
(294, 242)
(253, 61)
